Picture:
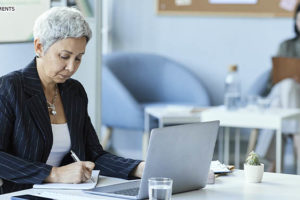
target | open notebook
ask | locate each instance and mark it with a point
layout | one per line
(218, 168)
(81, 186)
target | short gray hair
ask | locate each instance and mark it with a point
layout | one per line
(60, 23)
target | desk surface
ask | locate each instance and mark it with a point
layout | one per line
(269, 119)
(273, 187)
(173, 114)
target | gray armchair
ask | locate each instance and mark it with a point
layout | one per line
(132, 81)
(260, 84)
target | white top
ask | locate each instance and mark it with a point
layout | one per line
(61, 144)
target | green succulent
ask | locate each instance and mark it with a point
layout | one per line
(252, 159)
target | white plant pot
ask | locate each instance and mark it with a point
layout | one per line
(254, 173)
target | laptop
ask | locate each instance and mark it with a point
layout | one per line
(182, 153)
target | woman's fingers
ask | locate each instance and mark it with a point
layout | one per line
(89, 165)
(85, 170)
(76, 172)
(87, 174)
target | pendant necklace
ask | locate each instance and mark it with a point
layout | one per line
(51, 106)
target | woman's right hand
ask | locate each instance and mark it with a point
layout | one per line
(76, 172)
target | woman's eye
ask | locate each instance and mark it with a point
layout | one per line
(65, 57)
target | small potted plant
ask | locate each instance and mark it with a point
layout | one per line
(254, 170)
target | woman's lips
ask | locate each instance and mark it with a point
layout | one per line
(64, 76)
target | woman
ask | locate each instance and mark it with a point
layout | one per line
(291, 47)
(285, 94)
(43, 112)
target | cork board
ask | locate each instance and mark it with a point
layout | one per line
(263, 8)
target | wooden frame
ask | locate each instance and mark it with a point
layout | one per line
(263, 8)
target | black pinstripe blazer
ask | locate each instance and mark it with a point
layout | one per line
(26, 135)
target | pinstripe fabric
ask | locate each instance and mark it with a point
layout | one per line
(26, 135)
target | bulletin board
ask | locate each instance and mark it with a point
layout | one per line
(262, 8)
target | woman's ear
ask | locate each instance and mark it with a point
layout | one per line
(38, 47)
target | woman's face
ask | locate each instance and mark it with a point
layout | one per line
(63, 58)
(298, 21)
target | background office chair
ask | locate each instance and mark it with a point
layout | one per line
(260, 84)
(132, 81)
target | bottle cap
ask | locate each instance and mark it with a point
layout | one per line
(233, 68)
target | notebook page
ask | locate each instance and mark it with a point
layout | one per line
(218, 167)
(80, 186)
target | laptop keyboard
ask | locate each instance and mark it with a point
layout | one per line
(128, 192)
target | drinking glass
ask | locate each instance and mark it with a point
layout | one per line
(264, 103)
(252, 102)
(160, 188)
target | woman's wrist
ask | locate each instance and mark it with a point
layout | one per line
(138, 171)
(53, 176)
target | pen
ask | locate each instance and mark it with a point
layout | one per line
(74, 156)
(76, 159)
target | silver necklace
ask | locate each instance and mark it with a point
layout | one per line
(51, 106)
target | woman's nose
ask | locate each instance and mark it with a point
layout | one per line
(70, 66)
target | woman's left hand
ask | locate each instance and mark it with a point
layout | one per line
(138, 171)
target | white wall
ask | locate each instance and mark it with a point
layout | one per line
(14, 56)
(86, 73)
(205, 44)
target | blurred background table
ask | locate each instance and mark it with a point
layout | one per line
(271, 118)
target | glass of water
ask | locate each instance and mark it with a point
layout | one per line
(264, 103)
(160, 188)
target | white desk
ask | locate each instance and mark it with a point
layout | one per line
(167, 116)
(181, 115)
(274, 186)
(269, 119)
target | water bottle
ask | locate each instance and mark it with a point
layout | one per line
(232, 95)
